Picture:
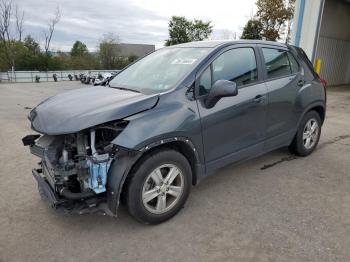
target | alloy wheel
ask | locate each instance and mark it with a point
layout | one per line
(310, 133)
(162, 189)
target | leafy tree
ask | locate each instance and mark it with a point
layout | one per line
(31, 44)
(109, 52)
(79, 49)
(132, 58)
(179, 28)
(27, 60)
(81, 58)
(89, 61)
(27, 56)
(11, 25)
(252, 30)
(273, 15)
(10, 58)
(182, 30)
(200, 30)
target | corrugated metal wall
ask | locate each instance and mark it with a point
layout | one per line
(335, 55)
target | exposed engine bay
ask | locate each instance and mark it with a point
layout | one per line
(76, 165)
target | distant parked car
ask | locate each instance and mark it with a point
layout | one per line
(81, 76)
(85, 77)
(170, 120)
(105, 79)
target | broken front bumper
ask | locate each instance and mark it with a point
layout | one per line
(83, 206)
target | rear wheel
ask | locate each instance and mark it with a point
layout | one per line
(159, 187)
(308, 135)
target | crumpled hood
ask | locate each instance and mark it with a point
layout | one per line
(75, 110)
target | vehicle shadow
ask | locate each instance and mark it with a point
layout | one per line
(231, 176)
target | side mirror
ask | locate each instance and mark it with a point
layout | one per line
(221, 88)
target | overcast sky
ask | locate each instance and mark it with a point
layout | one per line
(134, 21)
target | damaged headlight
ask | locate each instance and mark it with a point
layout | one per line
(102, 152)
(103, 136)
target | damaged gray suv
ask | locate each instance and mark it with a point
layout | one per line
(171, 119)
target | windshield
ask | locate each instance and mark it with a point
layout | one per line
(159, 71)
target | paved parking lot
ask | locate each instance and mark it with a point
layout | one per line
(274, 208)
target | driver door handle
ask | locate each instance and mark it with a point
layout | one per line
(259, 98)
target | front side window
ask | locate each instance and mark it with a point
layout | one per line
(236, 65)
(277, 63)
(205, 82)
(161, 70)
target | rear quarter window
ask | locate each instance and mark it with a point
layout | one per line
(293, 63)
(307, 65)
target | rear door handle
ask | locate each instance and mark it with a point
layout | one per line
(259, 99)
(301, 82)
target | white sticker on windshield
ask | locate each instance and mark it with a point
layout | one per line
(183, 61)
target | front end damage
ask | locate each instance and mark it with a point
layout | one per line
(73, 173)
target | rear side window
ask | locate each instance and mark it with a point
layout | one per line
(277, 62)
(236, 65)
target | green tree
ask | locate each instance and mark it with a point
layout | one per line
(132, 58)
(26, 60)
(252, 30)
(79, 49)
(30, 43)
(17, 51)
(80, 58)
(11, 25)
(178, 31)
(89, 61)
(109, 52)
(273, 15)
(182, 30)
(200, 30)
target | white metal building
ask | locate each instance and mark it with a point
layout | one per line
(322, 29)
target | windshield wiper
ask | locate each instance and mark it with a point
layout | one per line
(125, 88)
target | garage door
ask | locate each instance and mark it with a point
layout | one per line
(334, 42)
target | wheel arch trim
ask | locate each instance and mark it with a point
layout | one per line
(313, 106)
(126, 161)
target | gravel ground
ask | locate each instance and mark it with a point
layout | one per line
(273, 208)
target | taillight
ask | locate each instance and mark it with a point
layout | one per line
(324, 83)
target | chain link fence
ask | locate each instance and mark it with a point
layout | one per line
(45, 76)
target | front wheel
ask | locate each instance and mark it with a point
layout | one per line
(159, 186)
(308, 134)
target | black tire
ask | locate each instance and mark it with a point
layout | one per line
(140, 174)
(297, 147)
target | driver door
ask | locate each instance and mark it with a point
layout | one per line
(234, 129)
